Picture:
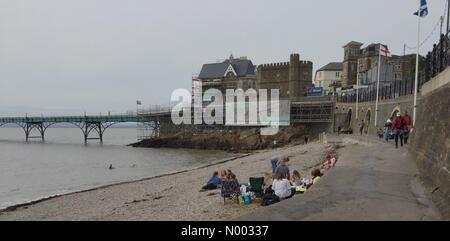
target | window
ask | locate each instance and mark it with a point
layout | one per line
(240, 84)
(354, 52)
(338, 74)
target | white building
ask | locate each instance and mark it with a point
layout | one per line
(328, 76)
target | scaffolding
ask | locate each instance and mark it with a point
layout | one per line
(312, 110)
(149, 121)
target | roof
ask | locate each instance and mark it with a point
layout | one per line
(353, 43)
(334, 66)
(243, 67)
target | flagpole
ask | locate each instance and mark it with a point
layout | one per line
(378, 85)
(357, 90)
(416, 82)
(137, 121)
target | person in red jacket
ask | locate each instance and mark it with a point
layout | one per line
(398, 126)
(408, 125)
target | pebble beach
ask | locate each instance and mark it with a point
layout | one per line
(170, 197)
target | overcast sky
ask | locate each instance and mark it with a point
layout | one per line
(71, 56)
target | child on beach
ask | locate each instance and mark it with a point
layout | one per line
(330, 162)
(296, 179)
(213, 183)
(316, 174)
(223, 175)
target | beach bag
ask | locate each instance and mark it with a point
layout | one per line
(269, 199)
(247, 199)
(241, 200)
(269, 190)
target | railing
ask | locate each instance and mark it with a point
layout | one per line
(71, 119)
(435, 62)
(154, 110)
(313, 99)
(438, 59)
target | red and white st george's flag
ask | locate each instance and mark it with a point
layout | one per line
(384, 51)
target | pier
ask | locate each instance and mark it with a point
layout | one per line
(87, 124)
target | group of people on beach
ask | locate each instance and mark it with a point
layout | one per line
(284, 185)
(398, 128)
(283, 182)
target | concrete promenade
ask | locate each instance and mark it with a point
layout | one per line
(372, 181)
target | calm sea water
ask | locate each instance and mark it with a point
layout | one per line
(63, 164)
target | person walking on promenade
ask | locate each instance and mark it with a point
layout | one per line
(387, 129)
(398, 126)
(361, 127)
(408, 125)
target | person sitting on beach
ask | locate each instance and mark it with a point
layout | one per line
(230, 186)
(282, 187)
(330, 162)
(231, 175)
(283, 168)
(296, 179)
(316, 174)
(223, 175)
(213, 183)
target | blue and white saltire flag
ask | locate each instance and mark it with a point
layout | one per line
(423, 9)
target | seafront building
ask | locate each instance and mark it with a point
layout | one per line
(328, 77)
(360, 67)
(292, 78)
(232, 73)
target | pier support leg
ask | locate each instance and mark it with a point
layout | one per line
(30, 126)
(27, 132)
(100, 131)
(86, 132)
(88, 127)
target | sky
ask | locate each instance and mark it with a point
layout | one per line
(97, 56)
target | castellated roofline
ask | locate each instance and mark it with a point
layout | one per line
(281, 65)
(273, 65)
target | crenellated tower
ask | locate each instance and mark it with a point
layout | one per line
(295, 88)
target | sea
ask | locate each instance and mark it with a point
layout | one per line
(63, 163)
